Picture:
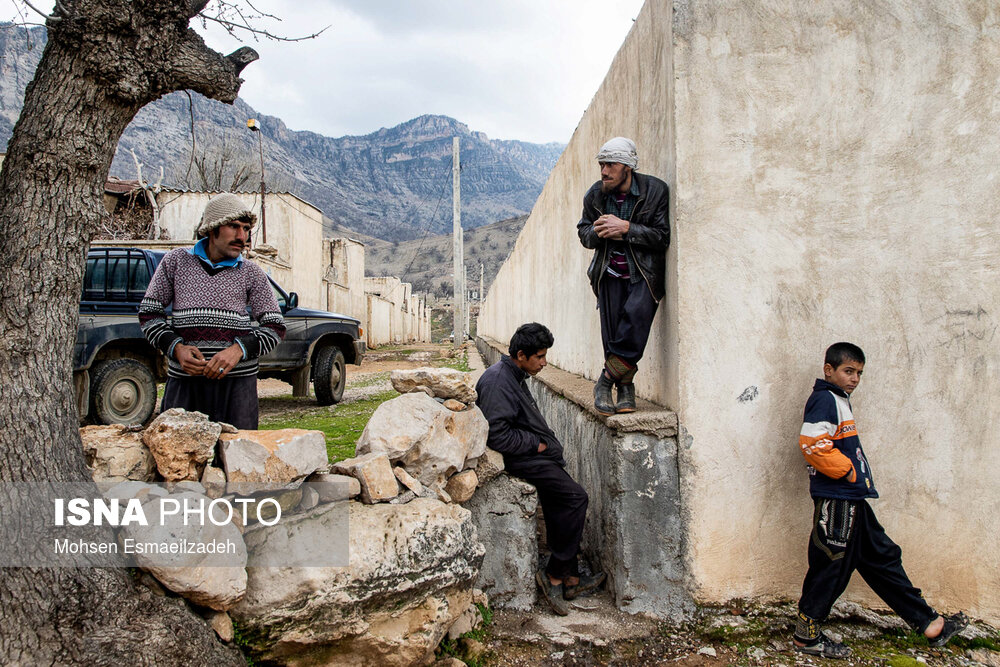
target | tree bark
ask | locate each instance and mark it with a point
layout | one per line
(104, 60)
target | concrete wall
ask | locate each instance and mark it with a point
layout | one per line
(834, 172)
(634, 531)
(378, 331)
(547, 260)
(345, 278)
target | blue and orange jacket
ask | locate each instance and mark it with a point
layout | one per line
(829, 440)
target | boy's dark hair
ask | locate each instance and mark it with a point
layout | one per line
(841, 353)
(530, 338)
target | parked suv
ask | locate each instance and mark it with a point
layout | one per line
(115, 370)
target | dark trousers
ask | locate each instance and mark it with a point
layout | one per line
(627, 311)
(229, 400)
(847, 537)
(564, 503)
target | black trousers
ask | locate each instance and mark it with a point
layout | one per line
(627, 311)
(229, 400)
(847, 537)
(564, 503)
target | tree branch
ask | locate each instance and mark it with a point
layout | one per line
(196, 7)
(232, 27)
(40, 12)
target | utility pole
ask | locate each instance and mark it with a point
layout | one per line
(482, 273)
(255, 127)
(465, 302)
(458, 267)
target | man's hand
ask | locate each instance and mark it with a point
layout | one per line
(223, 362)
(190, 358)
(542, 447)
(611, 227)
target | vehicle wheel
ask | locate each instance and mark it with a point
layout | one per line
(329, 375)
(123, 391)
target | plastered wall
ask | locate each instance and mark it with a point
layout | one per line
(545, 278)
(378, 332)
(834, 172)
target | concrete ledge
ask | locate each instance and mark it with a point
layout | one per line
(628, 466)
(650, 418)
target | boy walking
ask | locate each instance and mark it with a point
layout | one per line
(845, 535)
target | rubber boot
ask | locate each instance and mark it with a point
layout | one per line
(602, 395)
(626, 398)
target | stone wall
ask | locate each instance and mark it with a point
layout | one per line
(833, 166)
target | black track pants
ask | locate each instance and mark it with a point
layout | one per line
(564, 503)
(846, 537)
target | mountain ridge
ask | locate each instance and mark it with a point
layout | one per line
(393, 183)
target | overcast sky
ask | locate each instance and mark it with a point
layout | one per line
(514, 69)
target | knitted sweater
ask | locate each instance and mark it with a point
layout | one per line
(210, 310)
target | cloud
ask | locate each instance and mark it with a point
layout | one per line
(511, 68)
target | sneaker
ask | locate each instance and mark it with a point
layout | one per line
(824, 647)
(952, 626)
(553, 593)
(587, 584)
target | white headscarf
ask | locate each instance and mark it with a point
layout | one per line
(619, 149)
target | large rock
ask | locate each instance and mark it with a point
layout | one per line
(271, 457)
(430, 441)
(503, 510)
(182, 443)
(374, 472)
(116, 454)
(214, 580)
(410, 578)
(446, 383)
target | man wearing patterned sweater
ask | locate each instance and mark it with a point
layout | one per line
(210, 345)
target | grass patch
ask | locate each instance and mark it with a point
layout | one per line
(460, 363)
(342, 424)
(369, 380)
(451, 647)
(243, 644)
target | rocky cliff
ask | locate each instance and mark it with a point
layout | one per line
(394, 183)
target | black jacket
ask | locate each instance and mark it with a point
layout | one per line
(516, 424)
(648, 235)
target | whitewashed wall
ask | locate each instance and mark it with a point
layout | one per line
(378, 332)
(834, 166)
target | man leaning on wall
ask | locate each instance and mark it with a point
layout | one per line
(626, 223)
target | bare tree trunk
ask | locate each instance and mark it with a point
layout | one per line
(104, 60)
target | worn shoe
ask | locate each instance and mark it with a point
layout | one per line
(553, 593)
(952, 626)
(602, 395)
(824, 647)
(626, 398)
(587, 584)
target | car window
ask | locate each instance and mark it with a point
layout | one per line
(116, 278)
(93, 280)
(279, 296)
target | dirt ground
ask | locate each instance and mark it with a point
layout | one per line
(597, 633)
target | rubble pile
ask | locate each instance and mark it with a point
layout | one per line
(413, 556)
